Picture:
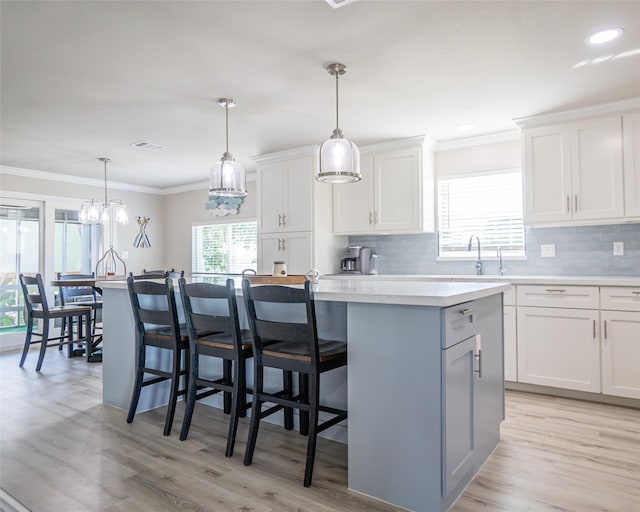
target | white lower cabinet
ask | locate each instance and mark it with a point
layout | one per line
(621, 353)
(293, 248)
(559, 347)
(510, 344)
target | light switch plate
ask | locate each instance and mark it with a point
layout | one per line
(548, 250)
(618, 248)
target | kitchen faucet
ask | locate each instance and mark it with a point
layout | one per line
(501, 270)
(479, 262)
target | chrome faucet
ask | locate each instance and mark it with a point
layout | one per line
(479, 262)
(501, 270)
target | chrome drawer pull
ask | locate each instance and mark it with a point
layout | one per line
(554, 290)
(466, 312)
(636, 292)
(478, 356)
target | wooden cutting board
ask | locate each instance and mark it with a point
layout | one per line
(266, 279)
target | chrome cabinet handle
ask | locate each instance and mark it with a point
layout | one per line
(370, 217)
(636, 292)
(554, 290)
(375, 217)
(575, 203)
(284, 219)
(279, 244)
(284, 247)
(605, 329)
(478, 356)
(279, 219)
(465, 312)
(568, 204)
(594, 329)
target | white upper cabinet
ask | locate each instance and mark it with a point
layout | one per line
(395, 194)
(285, 198)
(573, 172)
(631, 130)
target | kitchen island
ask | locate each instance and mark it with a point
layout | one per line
(424, 381)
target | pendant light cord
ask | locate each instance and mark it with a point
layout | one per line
(226, 109)
(337, 118)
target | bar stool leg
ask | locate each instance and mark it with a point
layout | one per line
(303, 385)
(256, 409)
(137, 387)
(173, 396)
(235, 410)
(287, 381)
(43, 343)
(192, 390)
(314, 402)
(27, 340)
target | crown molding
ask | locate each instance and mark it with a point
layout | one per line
(578, 113)
(407, 142)
(286, 154)
(77, 180)
(479, 140)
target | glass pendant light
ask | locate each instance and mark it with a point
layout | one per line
(339, 157)
(227, 178)
(96, 212)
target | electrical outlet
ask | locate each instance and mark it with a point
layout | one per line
(124, 255)
(548, 250)
(618, 248)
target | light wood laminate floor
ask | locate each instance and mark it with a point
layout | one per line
(62, 450)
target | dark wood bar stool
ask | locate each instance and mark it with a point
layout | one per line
(156, 319)
(294, 347)
(213, 308)
(37, 307)
(81, 296)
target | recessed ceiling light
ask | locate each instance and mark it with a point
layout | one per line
(465, 127)
(604, 36)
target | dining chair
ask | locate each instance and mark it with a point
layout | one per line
(211, 308)
(294, 347)
(37, 308)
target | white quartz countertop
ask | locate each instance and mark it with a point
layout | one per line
(514, 279)
(386, 291)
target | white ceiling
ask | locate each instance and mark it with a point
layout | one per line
(85, 79)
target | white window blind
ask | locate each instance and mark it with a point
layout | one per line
(488, 205)
(224, 248)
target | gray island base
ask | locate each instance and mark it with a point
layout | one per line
(424, 382)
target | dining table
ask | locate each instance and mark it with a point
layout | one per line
(92, 353)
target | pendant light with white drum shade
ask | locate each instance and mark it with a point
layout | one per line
(339, 158)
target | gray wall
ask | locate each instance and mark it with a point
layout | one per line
(584, 250)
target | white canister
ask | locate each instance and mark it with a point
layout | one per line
(279, 269)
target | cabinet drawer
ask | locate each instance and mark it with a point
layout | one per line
(460, 323)
(558, 296)
(620, 298)
(510, 297)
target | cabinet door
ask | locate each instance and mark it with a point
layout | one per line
(458, 416)
(559, 347)
(298, 252)
(353, 203)
(547, 174)
(631, 129)
(398, 191)
(621, 353)
(269, 250)
(596, 168)
(298, 194)
(510, 344)
(271, 187)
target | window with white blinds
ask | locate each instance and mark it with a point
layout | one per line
(488, 205)
(224, 248)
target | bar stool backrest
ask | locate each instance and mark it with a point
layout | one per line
(269, 323)
(211, 308)
(69, 293)
(35, 297)
(154, 307)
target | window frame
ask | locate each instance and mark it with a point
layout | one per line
(472, 255)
